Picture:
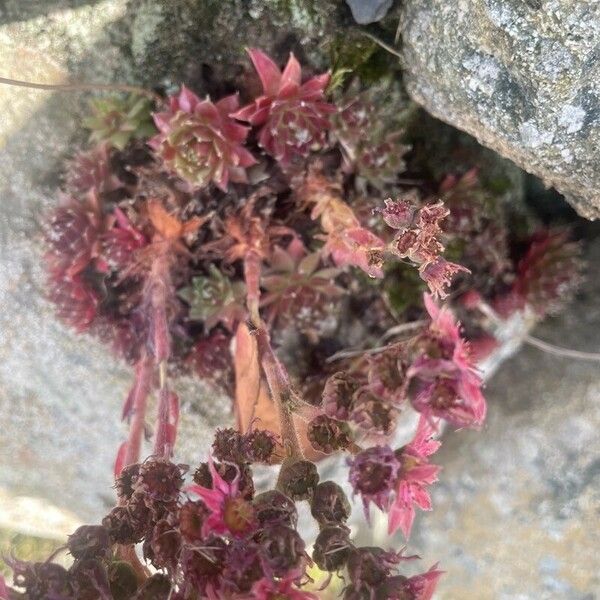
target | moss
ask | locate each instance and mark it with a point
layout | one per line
(403, 289)
(184, 39)
(24, 547)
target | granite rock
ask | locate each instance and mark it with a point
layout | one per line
(523, 77)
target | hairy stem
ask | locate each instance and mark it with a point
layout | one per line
(138, 401)
(164, 440)
(252, 268)
(281, 392)
(81, 87)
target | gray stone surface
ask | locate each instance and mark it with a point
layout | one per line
(369, 11)
(523, 77)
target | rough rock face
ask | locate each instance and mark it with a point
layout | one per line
(522, 76)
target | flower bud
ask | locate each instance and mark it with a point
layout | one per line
(329, 504)
(282, 548)
(157, 587)
(298, 480)
(331, 548)
(89, 541)
(122, 580)
(274, 507)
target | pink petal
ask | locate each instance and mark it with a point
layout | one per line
(432, 308)
(421, 497)
(423, 586)
(401, 516)
(268, 71)
(422, 444)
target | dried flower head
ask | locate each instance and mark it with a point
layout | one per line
(89, 541)
(338, 395)
(332, 547)
(328, 435)
(275, 507)
(373, 474)
(299, 479)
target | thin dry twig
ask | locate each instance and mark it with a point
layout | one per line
(81, 87)
(560, 351)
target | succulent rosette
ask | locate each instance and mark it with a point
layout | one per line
(200, 142)
(293, 116)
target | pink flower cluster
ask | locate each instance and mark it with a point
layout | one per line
(418, 239)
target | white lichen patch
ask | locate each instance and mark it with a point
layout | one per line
(532, 137)
(571, 118)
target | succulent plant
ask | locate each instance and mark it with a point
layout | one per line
(91, 170)
(295, 285)
(214, 299)
(549, 274)
(117, 120)
(200, 142)
(370, 138)
(293, 116)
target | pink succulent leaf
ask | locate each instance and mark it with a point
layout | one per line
(292, 73)
(294, 116)
(268, 71)
(200, 142)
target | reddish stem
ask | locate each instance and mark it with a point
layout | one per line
(139, 400)
(252, 268)
(167, 417)
(157, 291)
(281, 392)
